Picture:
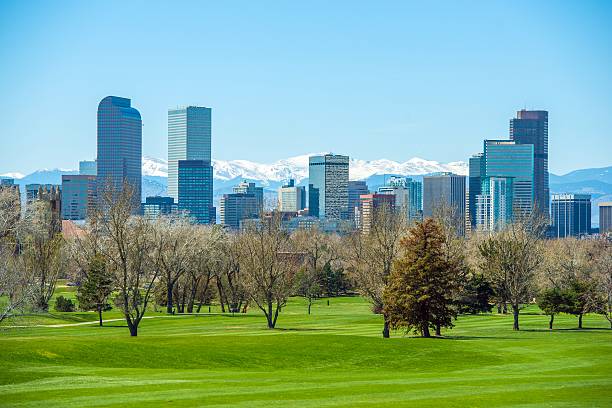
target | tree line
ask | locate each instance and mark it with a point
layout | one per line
(418, 276)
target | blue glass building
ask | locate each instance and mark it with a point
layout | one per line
(328, 179)
(195, 190)
(571, 215)
(119, 147)
(79, 195)
(505, 158)
(189, 138)
(494, 203)
(157, 206)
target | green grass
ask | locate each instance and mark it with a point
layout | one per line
(335, 357)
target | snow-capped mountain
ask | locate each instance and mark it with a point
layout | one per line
(297, 168)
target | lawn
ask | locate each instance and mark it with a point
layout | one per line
(334, 357)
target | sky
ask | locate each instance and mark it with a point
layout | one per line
(372, 80)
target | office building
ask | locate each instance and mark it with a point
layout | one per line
(369, 205)
(408, 196)
(250, 188)
(474, 186)
(234, 208)
(291, 198)
(51, 194)
(571, 215)
(119, 148)
(33, 191)
(531, 127)
(605, 217)
(328, 186)
(189, 138)
(156, 206)
(195, 194)
(444, 193)
(494, 204)
(88, 168)
(356, 188)
(505, 158)
(79, 196)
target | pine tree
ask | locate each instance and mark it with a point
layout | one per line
(96, 287)
(419, 295)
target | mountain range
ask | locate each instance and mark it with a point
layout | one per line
(594, 181)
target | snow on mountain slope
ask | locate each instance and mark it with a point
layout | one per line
(297, 168)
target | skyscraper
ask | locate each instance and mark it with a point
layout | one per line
(605, 217)
(445, 190)
(505, 158)
(356, 188)
(156, 206)
(408, 196)
(291, 198)
(494, 204)
(571, 215)
(189, 138)
(474, 185)
(370, 204)
(234, 208)
(328, 186)
(531, 127)
(195, 194)
(250, 188)
(119, 147)
(79, 196)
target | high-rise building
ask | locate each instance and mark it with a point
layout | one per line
(119, 147)
(189, 138)
(505, 158)
(370, 204)
(531, 127)
(408, 196)
(33, 191)
(79, 196)
(494, 204)
(195, 190)
(474, 186)
(250, 188)
(605, 217)
(156, 206)
(234, 208)
(328, 186)
(88, 168)
(571, 215)
(291, 198)
(445, 190)
(356, 188)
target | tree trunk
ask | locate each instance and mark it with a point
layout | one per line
(499, 309)
(169, 299)
(515, 313)
(385, 331)
(438, 330)
(309, 305)
(269, 316)
(100, 314)
(505, 310)
(552, 319)
(425, 330)
(580, 321)
(132, 326)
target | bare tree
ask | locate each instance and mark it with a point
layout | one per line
(232, 294)
(370, 256)
(129, 245)
(268, 262)
(510, 259)
(602, 265)
(205, 261)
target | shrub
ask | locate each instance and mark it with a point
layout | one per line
(63, 304)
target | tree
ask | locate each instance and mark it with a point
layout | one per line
(475, 294)
(63, 304)
(229, 279)
(129, 245)
(268, 263)
(308, 285)
(42, 252)
(96, 287)
(510, 259)
(418, 295)
(602, 263)
(551, 302)
(582, 299)
(370, 256)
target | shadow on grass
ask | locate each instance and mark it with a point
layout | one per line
(571, 329)
(301, 329)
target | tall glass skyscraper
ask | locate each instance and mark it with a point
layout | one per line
(328, 186)
(195, 194)
(474, 185)
(571, 215)
(189, 138)
(445, 189)
(494, 204)
(119, 147)
(505, 158)
(531, 127)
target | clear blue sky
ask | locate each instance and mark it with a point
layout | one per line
(373, 80)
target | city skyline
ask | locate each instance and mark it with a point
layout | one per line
(310, 96)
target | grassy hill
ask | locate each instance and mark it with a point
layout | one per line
(334, 357)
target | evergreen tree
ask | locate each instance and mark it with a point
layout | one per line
(96, 287)
(553, 301)
(422, 282)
